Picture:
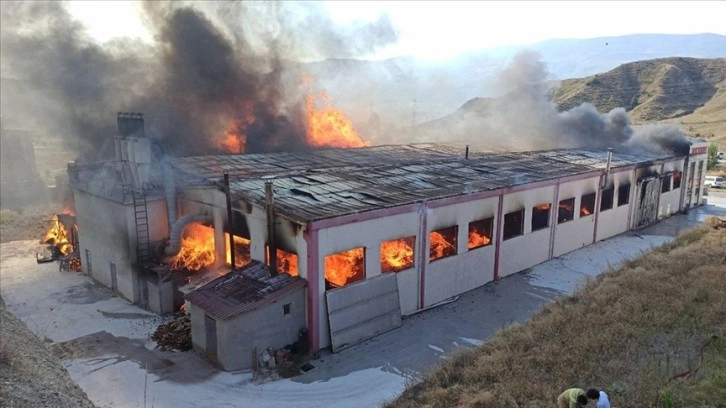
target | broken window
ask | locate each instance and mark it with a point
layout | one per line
(397, 254)
(587, 204)
(442, 243)
(541, 216)
(566, 210)
(513, 224)
(666, 184)
(606, 199)
(344, 268)
(677, 179)
(623, 194)
(241, 251)
(286, 262)
(480, 233)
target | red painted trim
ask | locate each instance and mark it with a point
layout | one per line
(313, 275)
(553, 223)
(498, 242)
(423, 256)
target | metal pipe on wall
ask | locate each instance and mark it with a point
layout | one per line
(271, 241)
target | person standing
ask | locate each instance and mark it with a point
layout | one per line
(600, 396)
(572, 398)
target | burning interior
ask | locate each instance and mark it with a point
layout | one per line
(344, 268)
(443, 243)
(397, 254)
(480, 233)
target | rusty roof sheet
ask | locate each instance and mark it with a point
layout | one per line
(329, 183)
(243, 290)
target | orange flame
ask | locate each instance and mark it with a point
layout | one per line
(345, 267)
(543, 207)
(197, 248)
(241, 251)
(58, 236)
(286, 262)
(584, 211)
(328, 127)
(443, 243)
(476, 239)
(397, 254)
(235, 138)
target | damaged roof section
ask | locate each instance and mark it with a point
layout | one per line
(243, 290)
(323, 184)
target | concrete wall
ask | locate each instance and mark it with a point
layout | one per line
(531, 248)
(615, 221)
(577, 233)
(238, 337)
(106, 236)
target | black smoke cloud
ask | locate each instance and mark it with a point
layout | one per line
(524, 118)
(210, 69)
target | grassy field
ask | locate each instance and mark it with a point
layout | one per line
(652, 334)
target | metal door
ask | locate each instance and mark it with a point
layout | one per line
(646, 209)
(210, 327)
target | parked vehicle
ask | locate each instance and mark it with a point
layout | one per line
(720, 155)
(715, 182)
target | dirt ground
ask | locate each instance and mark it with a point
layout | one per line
(28, 224)
(31, 375)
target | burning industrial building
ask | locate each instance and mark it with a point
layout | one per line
(344, 242)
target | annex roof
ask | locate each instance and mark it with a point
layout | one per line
(243, 290)
(329, 183)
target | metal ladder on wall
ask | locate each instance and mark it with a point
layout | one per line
(143, 249)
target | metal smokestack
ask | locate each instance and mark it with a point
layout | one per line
(607, 168)
(466, 152)
(271, 241)
(229, 219)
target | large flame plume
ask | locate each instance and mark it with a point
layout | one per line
(345, 267)
(58, 236)
(329, 127)
(197, 249)
(397, 254)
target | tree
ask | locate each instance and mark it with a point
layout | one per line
(712, 159)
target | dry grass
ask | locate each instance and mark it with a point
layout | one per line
(630, 331)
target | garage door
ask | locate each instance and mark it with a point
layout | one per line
(363, 310)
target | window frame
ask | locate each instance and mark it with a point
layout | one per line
(506, 237)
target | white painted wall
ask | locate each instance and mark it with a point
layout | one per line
(531, 248)
(578, 232)
(615, 221)
(453, 275)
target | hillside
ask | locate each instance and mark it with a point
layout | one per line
(650, 333)
(686, 91)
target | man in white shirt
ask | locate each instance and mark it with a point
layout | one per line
(600, 396)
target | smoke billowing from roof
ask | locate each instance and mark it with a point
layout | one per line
(211, 69)
(524, 118)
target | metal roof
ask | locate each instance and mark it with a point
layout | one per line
(329, 183)
(243, 290)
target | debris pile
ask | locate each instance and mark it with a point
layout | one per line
(174, 335)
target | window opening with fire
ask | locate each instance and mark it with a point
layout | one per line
(480, 233)
(241, 251)
(397, 254)
(442, 242)
(666, 184)
(286, 261)
(541, 216)
(344, 268)
(677, 179)
(513, 224)
(623, 194)
(566, 210)
(587, 204)
(197, 248)
(606, 199)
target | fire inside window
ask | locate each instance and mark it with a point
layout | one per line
(623, 194)
(197, 248)
(541, 216)
(513, 224)
(666, 184)
(442, 243)
(566, 210)
(241, 251)
(606, 199)
(286, 261)
(480, 233)
(587, 204)
(344, 268)
(677, 179)
(397, 254)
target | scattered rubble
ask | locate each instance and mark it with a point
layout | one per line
(174, 335)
